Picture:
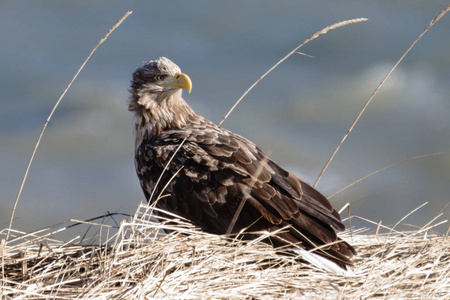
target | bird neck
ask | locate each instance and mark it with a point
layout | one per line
(163, 111)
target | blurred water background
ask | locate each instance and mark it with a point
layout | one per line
(84, 166)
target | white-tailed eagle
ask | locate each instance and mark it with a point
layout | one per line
(214, 170)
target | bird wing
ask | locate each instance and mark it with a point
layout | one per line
(216, 168)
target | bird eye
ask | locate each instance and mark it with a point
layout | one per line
(159, 77)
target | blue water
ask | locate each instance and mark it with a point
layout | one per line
(84, 166)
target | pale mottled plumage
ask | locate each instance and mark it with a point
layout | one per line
(215, 169)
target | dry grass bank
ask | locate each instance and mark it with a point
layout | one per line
(136, 263)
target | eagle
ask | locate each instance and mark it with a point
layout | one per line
(221, 181)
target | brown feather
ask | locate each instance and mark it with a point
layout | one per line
(218, 169)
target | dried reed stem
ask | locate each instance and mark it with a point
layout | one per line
(440, 15)
(314, 36)
(54, 109)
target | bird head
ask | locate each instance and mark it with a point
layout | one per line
(160, 79)
(156, 94)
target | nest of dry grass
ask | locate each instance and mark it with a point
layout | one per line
(138, 262)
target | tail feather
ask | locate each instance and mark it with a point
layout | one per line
(322, 263)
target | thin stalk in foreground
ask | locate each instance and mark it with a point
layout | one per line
(382, 169)
(439, 16)
(314, 36)
(51, 114)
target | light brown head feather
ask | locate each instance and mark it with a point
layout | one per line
(157, 107)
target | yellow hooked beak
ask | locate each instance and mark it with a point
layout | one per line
(181, 81)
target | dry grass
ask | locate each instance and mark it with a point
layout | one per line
(137, 262)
